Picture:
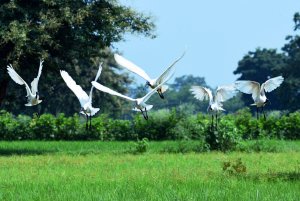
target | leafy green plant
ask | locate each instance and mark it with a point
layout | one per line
(234, 168)
(139, 147)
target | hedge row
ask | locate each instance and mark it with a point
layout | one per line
(162, 125)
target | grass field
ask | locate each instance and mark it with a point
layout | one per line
(106, 171)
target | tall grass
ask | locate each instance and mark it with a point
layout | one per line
(103, 171)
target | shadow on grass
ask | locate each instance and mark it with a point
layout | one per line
(270, 176)
(11, 152)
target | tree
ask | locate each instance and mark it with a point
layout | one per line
(259, 66)
(70, 35)
(290, 91)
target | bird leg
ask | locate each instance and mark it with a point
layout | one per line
(257, 113)
(90, 122)
(263, 111)
(145, 114)
(212, 122)
(217, 121)
(160, 94)
(86, 123)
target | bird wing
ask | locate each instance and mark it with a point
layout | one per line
(35, 82)
(148, 95)
(161, 78)
(77, 90)
(272, 83)
(131, 66)
(201, 93)
(16, 77)
(225, 92)
(248, 87)
(110, 91)
(96, 78)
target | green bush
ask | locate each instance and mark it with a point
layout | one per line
(157, 127)
(121, 129)
(43, 127)
(162, 125)
(8, 125)
(22, 131)
(225, 136)
(67, 128)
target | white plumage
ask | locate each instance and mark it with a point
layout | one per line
(223, 93)
(140, 103)
(32, 94)
(153, 83)
(258, 91)
(84, 99)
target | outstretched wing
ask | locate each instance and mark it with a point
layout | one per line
(110, 91)
(148, 95)
(272, 83)
(225, 92)
(202, 93)
(131, 66)
(16, 77)
(96, 78)
(35, 82)
(77, 90)
(249, 87)
(161, 78)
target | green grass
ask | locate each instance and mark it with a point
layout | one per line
(104, 171)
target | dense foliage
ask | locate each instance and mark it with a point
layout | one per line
(261, 64)
(162, 125)
(69, 35)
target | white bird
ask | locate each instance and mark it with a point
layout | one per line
(32, 94)
(223, 93)
(153, 83)
(140, 103)
(258, 91)
(85, 100)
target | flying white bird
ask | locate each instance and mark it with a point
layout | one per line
(258, 91)
(85, 100)
(32, 94)
(223, 93)
(140, 103)
(153, 83)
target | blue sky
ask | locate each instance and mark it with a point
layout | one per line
(217, 35)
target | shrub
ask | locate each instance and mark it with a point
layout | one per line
(67, 128)
(121, 129)
(22, 130)
(43, 127)
(191, 127)
(157, 127)
(8, 126)
(140, 147)
(225, 136)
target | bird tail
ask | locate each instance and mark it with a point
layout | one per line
(30, 104)
(94, 111)
(148, 107)
(164, 88)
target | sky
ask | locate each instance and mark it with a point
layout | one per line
(216, 34)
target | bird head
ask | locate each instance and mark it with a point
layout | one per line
(82, 110)
(267, 102)
(147, 84)
(209, 109)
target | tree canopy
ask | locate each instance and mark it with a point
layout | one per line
(70, 35)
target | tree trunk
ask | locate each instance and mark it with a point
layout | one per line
(3, 88)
